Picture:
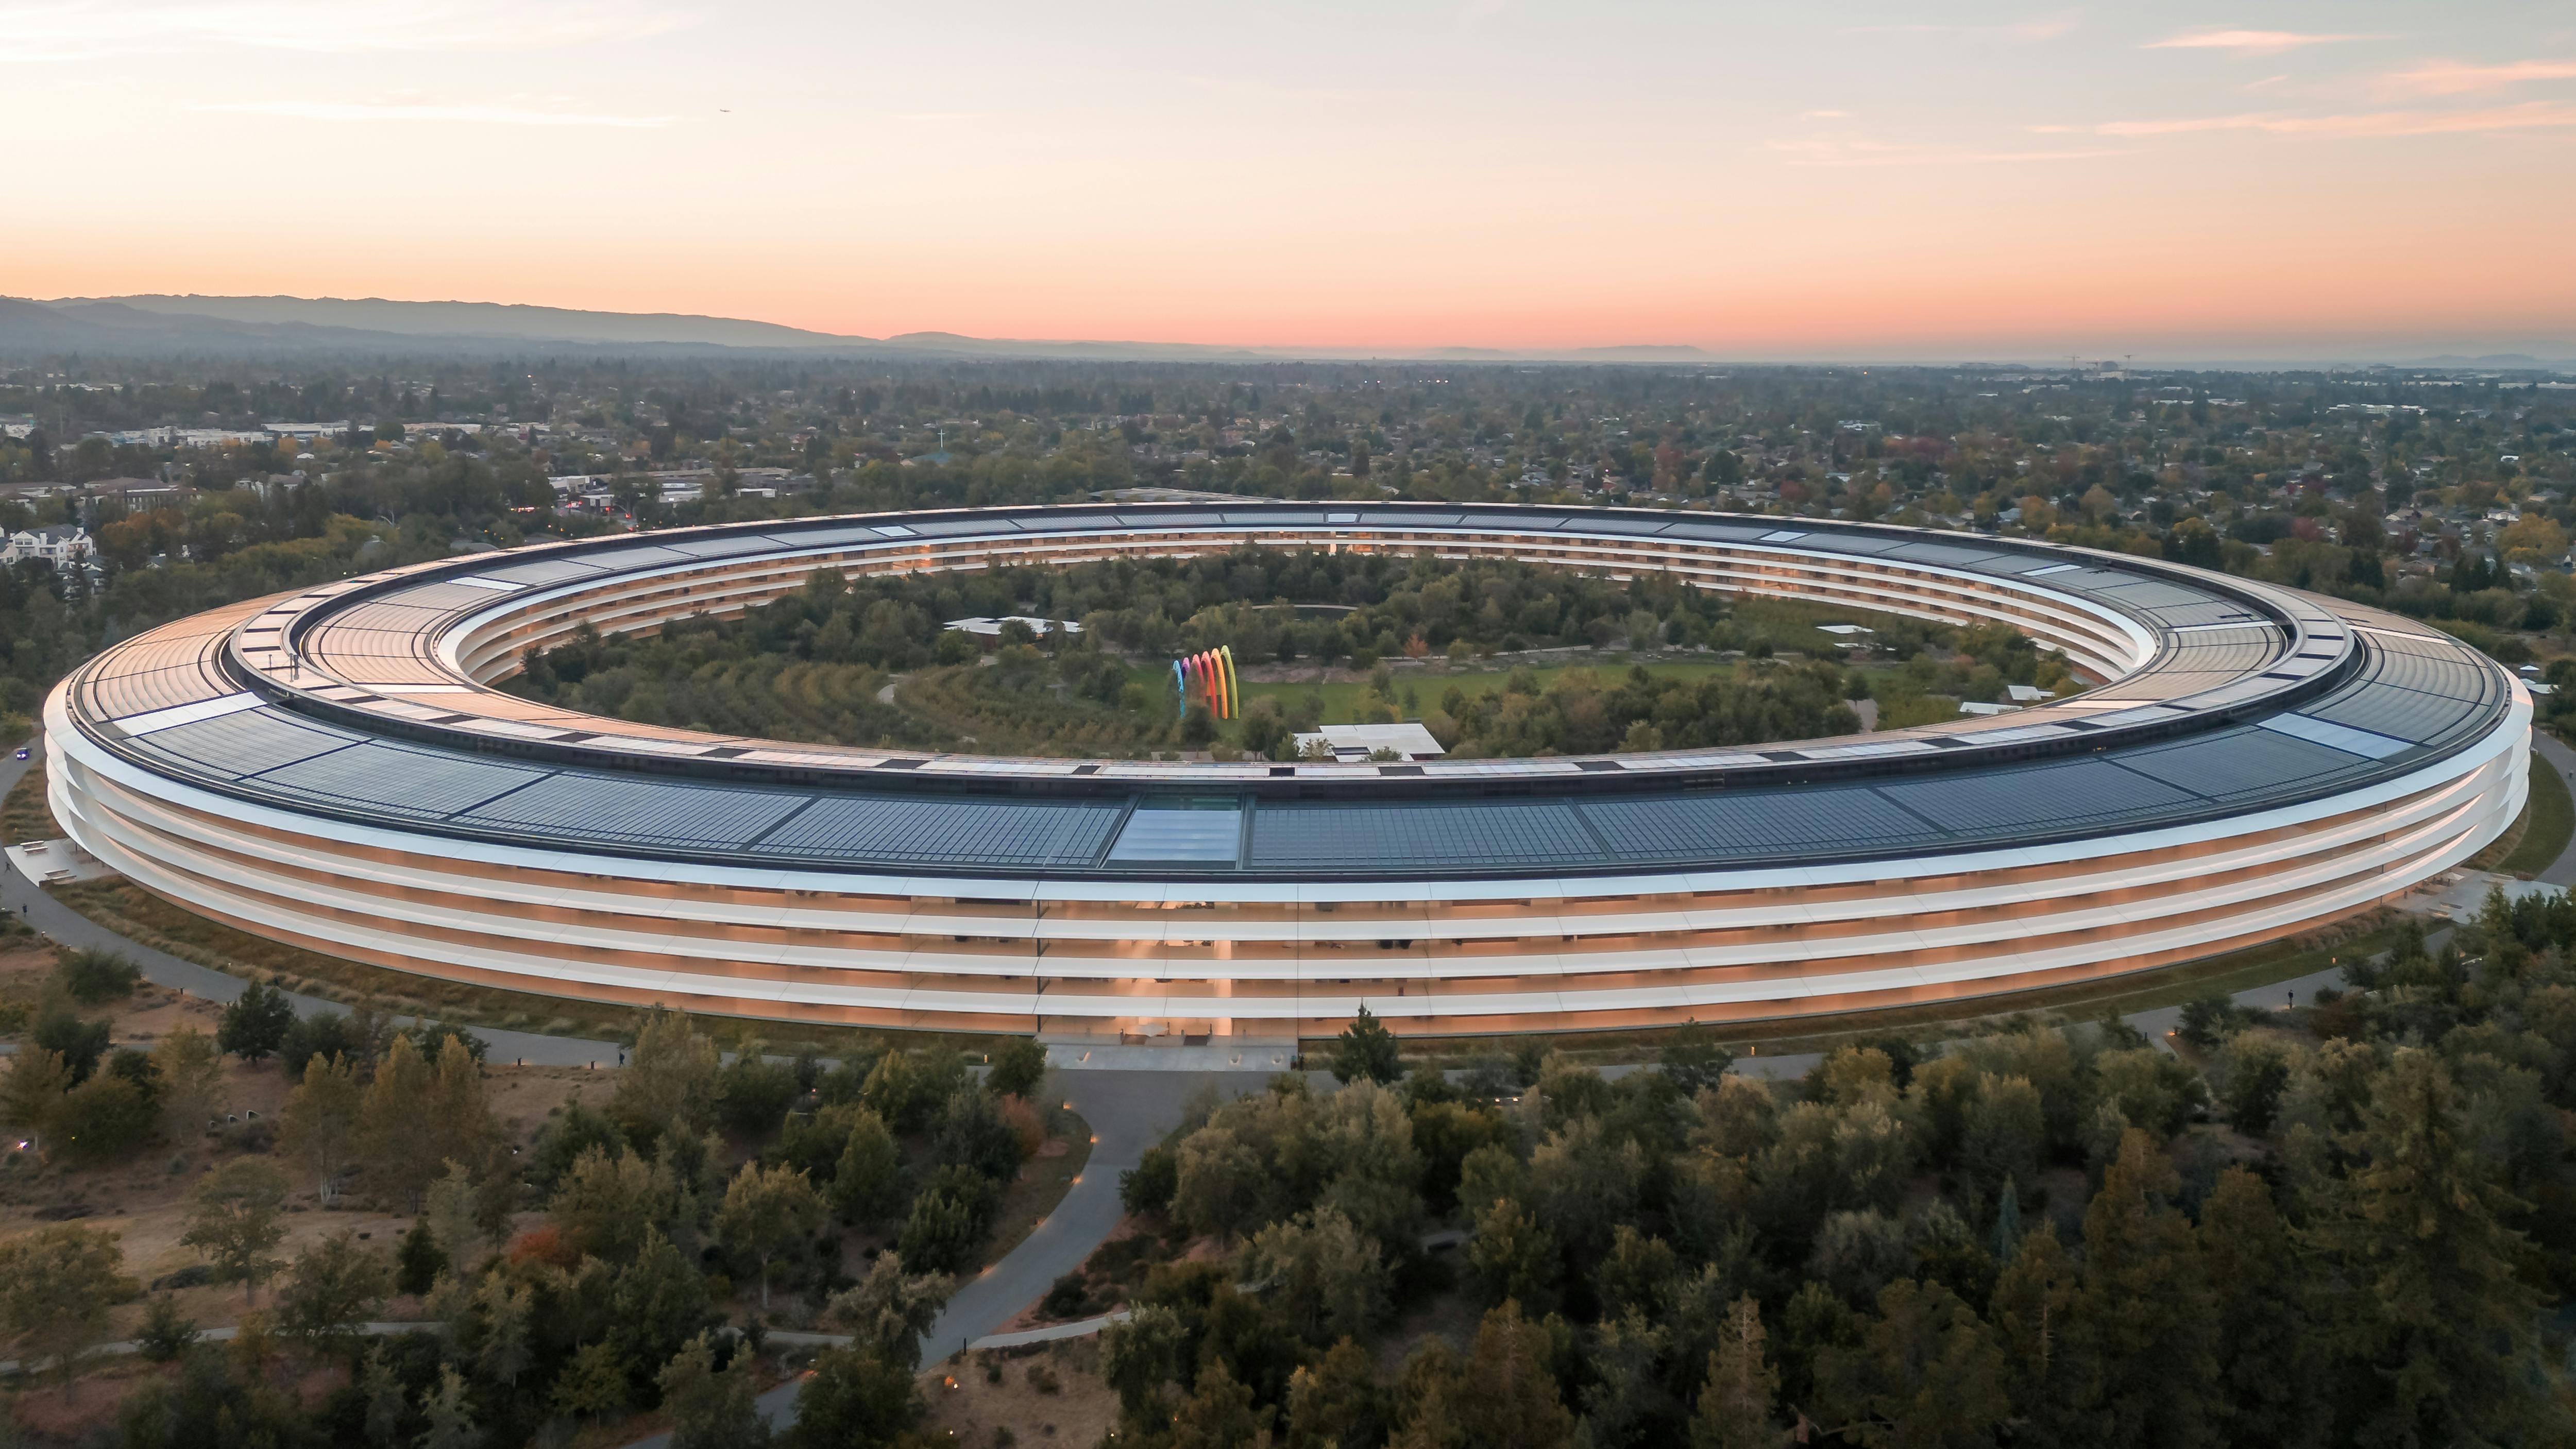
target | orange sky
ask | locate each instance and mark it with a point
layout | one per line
(2286, 180)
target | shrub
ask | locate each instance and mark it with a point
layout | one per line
(94, 978)
(1148, 1186)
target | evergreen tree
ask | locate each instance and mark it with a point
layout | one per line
(1366, 1049)
(2143, 1318)
(417, 1260)
(2272, 1373)
(2441, 1320)
(1735, 1401)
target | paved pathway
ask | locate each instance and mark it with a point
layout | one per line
(30, 903)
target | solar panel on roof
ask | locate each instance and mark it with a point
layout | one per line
(1294, 837)
(2033, 798)
(247, 743)
(409, 782)
(1942, 553)
(2236, 762)
(723, 547)
(2402, 713)
(921, 830)
(1751, 823)
(544, 571)
(608, 807)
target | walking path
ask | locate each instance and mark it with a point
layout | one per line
(30, 903)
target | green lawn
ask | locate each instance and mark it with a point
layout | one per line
(2549, 819)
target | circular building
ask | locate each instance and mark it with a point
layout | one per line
(332, 768)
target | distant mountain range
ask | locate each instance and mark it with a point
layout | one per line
(167, 326)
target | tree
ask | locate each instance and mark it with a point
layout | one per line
(867, 1184)
(944, 1231)
(1366, 1049)
(658, 1304)
(460, 1116)
(331, 1289)
(1512, 1256)
(232, 1218)
(891, 1308)
(2268, 1346)
(95, 978)
(2441, 1317)
(1509, 1397)
(451, 1419)
(669, 1082)
(854, 1399)
(766, 1212)
(1219, 1414)
(1735, 1401)
(1019, 1066)
(972, 1134)
(31, 1096)
(192, 1081)
(454, 1212)
(592, 1384)
(104, 1117)
(254, 1025)
(319, 1126)
(752, 1091)
(2142, 1319)
(507, 1309)
(1327, 1278)
(80, 1043)
(397, 1132)
(1335, 1401)
(417, 1260)
(711, 1408)
(1693, 1060)
(1928, 1374)
(57, 1284)
(609, 1206)
(1220, 1178)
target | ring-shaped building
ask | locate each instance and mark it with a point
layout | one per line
(333, 768)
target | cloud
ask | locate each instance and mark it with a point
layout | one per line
(2247, 42)
(472, 115)
(2047, 27)
(1823, 152)
(2452, 77)
(85, 29)
(2530, 115)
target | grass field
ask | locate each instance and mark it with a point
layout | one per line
(2548, 820)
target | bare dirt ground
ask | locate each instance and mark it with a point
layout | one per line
(1049, 1395)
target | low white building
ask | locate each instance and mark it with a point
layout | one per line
(1350, 743)
(992, 628)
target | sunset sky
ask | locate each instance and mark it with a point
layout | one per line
(1763, 180)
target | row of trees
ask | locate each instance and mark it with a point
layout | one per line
(697, 1175)
(2337, 1234)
